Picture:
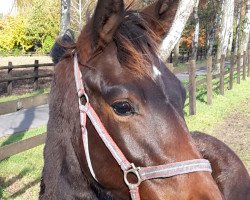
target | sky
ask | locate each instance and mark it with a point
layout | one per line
(6, 6)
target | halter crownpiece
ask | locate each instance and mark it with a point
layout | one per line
(141, 173)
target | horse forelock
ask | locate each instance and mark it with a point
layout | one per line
(136, 44)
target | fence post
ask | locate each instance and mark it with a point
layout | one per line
(9, 84)
(248, 71)
(238, 68)
(222, 74)
(192, 87)
(244, 65)
(231, 73)
(209, 80)
(36, 75)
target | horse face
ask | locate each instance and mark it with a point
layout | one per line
(143, 123)
(137, 108)
(137, 100)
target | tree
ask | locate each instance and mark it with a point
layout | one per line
(225, 27)
(34, 27)
(78, 13)
(196, 31)
(65, 16)
(237, 30)
(231, 27)
(184, 10)
(176, 52)
(245, 27)
(209, 18)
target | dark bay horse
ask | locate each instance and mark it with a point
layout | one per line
(139, 101)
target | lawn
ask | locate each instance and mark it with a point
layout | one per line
(20, 174)
(30, 94)
(207, 116)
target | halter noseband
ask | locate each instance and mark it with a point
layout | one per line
(142, 173)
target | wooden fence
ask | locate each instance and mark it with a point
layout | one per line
(236, 64)
(35, 76)
(185, 54)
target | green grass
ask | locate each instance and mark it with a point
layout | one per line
(207, 116)
(20, 174)
(15, 97)
(22, 135)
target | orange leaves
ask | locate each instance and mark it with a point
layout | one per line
(187, 38)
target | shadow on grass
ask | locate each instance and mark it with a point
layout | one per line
(26, 187)
(5, 184)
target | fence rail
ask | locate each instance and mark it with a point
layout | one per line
(35, 75)
(236, 65)
(23, 145)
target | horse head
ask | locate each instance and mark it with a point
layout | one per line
(139, 102)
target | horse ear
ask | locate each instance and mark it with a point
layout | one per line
(107, 17)
(160, 16)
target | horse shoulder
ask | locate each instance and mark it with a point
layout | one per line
(229, 172)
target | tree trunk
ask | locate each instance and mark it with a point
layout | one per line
(231, 27)
(241, 27)
(196, 32)
(211, 37)
(224, 31)
(213, 29)
(237, 31)
(65, 16)
(224, 27)
(79, 14)
(184, 10)
(176, 53)
(246, 27)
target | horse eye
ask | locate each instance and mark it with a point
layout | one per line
(123, 108)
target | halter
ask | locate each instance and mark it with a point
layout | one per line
(142, 173)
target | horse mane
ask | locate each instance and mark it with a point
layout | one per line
(136, 43)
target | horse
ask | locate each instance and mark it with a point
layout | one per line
(229, 172)
(120, 79)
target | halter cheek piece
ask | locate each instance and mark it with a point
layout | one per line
(142, 173)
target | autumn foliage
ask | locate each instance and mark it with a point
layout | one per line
(187, 38)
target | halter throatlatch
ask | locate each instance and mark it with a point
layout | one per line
(141, 173)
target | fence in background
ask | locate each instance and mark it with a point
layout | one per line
(185, 54)
(239, 64)
(35, 75)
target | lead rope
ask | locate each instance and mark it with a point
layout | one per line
(142, 173)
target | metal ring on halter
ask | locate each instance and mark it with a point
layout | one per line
(134, 170)
(86, 98)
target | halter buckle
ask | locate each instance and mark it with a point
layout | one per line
(134, 170)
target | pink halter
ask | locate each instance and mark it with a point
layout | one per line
(142, 173)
